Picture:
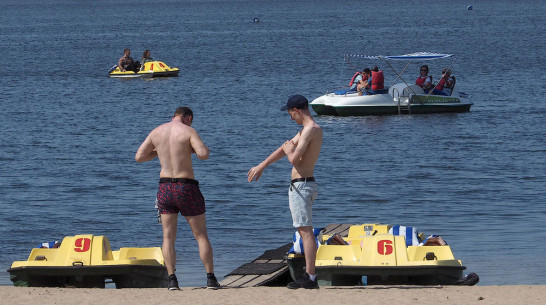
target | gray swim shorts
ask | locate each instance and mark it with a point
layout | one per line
(300, 198)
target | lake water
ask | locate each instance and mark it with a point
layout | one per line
(69, 133)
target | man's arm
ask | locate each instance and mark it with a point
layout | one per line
(295, 148)
(365, 83)
(255, 172)
(198, 146)
(120, 65)
(146, 151)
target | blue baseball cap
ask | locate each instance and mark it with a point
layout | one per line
(296, 101)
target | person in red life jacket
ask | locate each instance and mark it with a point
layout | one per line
(355, 80)
(424, 80)
(446, 83)
(377, 82)
(366, 82)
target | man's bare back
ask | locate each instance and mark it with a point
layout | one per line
(173, 143)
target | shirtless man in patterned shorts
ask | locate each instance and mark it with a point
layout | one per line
(173, 143)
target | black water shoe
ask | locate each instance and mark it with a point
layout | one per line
(470, 279)
(303, 282)
(173, 282)
(212, 282)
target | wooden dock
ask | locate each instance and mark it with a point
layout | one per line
(270, 268)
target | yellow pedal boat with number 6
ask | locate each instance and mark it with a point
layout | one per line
(149, 69)
(380, 254)
(87, 261)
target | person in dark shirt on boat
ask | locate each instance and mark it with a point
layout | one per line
(302, 151)
(145, 57)
(174, 143)
(366, 82)
(445, 84)
(126, 63)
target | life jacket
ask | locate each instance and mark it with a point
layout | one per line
(420, 81)
(441, 84)
(377, 80)
(353, 78)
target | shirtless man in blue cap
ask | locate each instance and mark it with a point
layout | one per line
(302, 152)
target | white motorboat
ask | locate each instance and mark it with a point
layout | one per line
(400, 98)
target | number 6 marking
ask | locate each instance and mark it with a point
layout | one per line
(384, 247)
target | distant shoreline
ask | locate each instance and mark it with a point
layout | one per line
(517, 294)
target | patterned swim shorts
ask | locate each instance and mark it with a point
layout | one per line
(181, 196)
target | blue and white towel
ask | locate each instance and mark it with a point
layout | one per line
(50, 244)
(410, 233)
(297, 247)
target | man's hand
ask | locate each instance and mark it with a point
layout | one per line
(288, 147)
(255, 173)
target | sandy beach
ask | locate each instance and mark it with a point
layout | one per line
(517, 294)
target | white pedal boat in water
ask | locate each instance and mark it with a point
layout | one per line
(399, 98)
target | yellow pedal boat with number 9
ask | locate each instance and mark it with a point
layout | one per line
(380, 254)
(149, 69)
(87, 261)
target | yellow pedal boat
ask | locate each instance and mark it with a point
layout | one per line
(87, 261)
(149, 69)
(374, 255)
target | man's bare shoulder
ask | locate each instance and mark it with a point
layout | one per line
(312, 129)
(176, 129)
(159, 128)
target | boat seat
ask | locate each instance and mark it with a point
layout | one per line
(140, 253)
(360, 231)
(43, 254)
(453, 87)
(446, 91)
(421, 253)
(412, 89)
(339, 252)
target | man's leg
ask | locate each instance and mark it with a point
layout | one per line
(308, 279)
(198, 225)
(309, 247)
(169, 222)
